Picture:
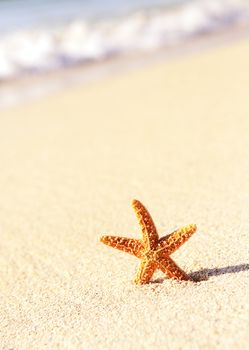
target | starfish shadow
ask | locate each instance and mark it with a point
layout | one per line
(158, 280)
(204, 274)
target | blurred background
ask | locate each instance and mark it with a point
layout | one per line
(61, 40)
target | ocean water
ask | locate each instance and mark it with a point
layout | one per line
(15, 14)
(39, 36)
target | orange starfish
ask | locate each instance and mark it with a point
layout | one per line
(153, 252)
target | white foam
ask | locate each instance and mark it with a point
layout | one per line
(39, 50)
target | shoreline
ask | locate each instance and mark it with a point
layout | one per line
(30, 87)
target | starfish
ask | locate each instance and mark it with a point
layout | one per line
(153, 251)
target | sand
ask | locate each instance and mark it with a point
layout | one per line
(176, 137)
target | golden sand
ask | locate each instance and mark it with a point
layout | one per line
(175, 135)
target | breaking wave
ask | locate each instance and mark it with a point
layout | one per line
(43, 49)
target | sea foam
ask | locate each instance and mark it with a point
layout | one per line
(44, 49)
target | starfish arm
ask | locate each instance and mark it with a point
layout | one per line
(128, 245)
(168, 266)
(145, 272)
(149, 232)
(173, 241)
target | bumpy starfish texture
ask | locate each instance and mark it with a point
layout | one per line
(153, 251)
